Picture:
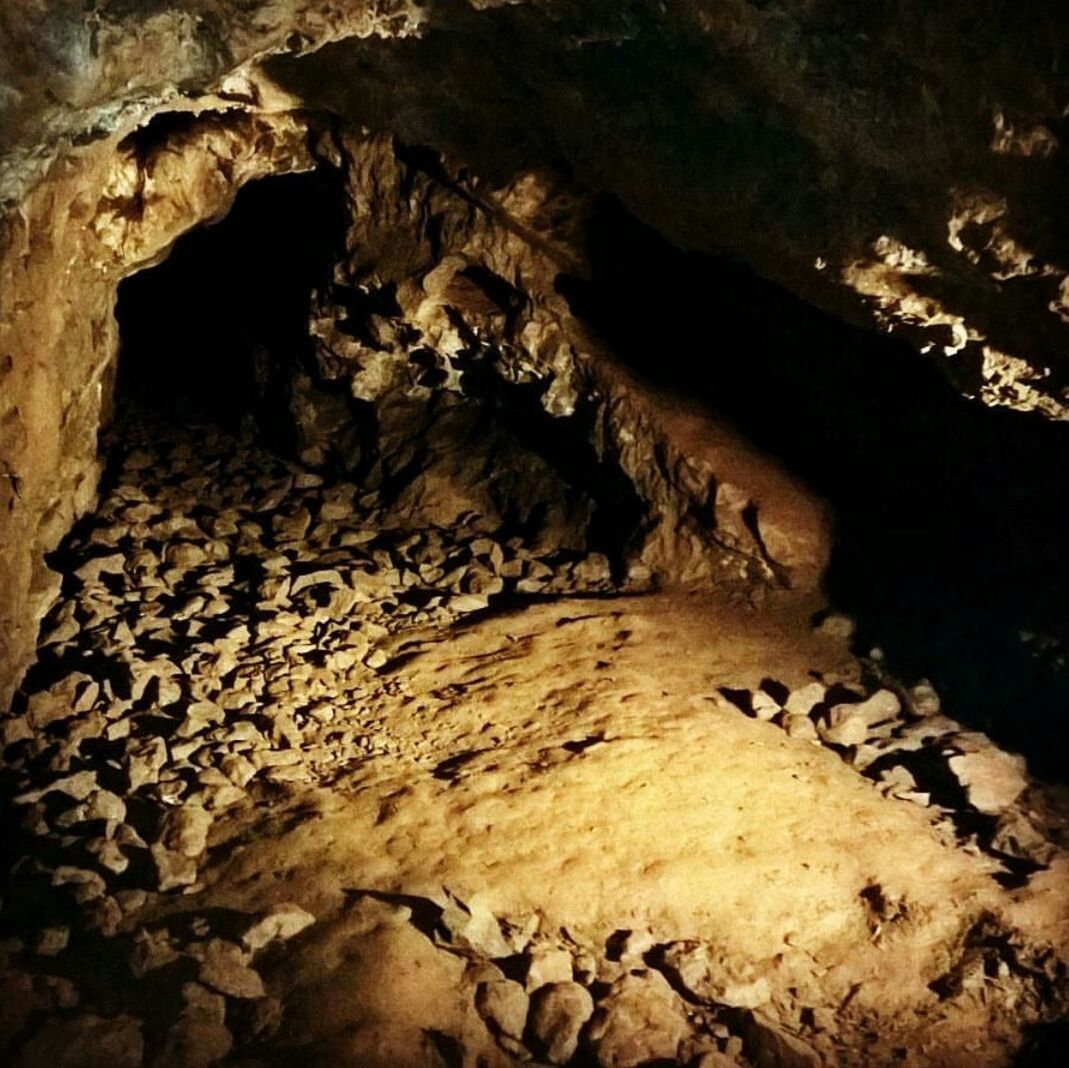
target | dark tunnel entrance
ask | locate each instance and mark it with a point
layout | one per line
(951, 518)
(209, 335)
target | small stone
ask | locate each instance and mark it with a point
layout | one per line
(800, 726)
(546, 964)
(641, 1020)
(802, 701)
(64, 993)
(237, 769)
(558, 1013)
(185, 830)
(376, 659)
(836, 626)
(173, 869)
(851, 724)
(15, 729)
(146, 762)
(88, 885)
(764, 706)
(279, 923)
(224, 967)
(104, 916)
(52, 940)
(131, 900)
(469, 602)
(503, 1004)
(151, 950)
(473, 925)
(77, 786)
(922, 700)
(104, 805)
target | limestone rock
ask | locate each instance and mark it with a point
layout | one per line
(503, 1004)
(546, 964)
(279, 923)
(641, 1020)
(803, 700)
(185, 830)
(558, 1013)
(851, 724)
(173, 869)
(224, 967)
(993, 779)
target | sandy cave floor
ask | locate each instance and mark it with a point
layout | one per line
(291, 780)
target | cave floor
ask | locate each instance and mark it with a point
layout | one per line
(293, 780)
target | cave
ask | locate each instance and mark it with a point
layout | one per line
(533, 533)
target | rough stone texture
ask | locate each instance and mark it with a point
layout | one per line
(846, 152)
(106, 211)
(916, 152)
(715, 510)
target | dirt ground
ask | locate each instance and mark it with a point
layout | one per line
(490, 824)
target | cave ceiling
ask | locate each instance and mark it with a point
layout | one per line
(900, 165)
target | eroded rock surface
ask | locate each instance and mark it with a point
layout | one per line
(318, 798)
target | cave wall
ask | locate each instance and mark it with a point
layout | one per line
(715, 513)
(111, 210)
(471, 275)
(900, 164)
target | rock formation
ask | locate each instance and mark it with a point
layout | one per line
(395, 668)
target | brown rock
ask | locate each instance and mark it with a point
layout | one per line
(641, 1020)
(224, 967)
(185, 830)
(279, 923)
(503, 1004)
(558, 1013)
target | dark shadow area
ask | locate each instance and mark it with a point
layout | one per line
(951, 519)
(208, 334)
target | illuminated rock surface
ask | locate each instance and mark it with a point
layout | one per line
(428, 593)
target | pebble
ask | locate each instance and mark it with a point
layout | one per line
(280, 923)
(224, 967)
(558, 1013)
(503, 1004)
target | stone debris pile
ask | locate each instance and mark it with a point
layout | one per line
(897, 736)
(224, 631)
(229, 634)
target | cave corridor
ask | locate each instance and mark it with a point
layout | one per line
(523, 546)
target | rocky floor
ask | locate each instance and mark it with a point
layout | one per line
(291, 779)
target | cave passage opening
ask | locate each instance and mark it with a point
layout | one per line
(219, 334)
(951, 523)
(212, 333)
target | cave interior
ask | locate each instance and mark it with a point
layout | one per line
(469, 607)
